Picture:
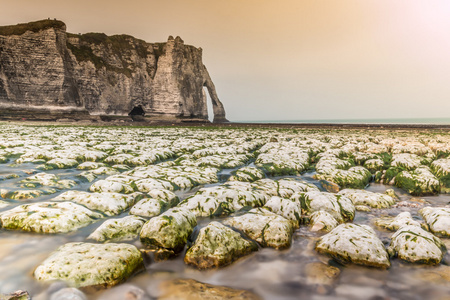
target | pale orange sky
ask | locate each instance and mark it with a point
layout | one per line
(291, 59)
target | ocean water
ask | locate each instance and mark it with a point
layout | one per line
(441, 121)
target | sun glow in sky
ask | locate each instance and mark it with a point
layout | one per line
(291, 59)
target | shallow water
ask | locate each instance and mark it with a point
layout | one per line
(272, 274)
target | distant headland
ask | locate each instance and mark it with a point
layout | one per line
(49, 74)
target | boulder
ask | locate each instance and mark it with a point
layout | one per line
(394, 223)
(169, 230)
(352, 243)
(264, 227)
(438, 219)
(362, 197)
(418, 182)
(285, 208)
(216, 246)
(110, 204)
(115, 230)
(248, 174)
(48, 217)
(413, 244)
(322, 221)
(105, 186)
(339, 206)
(84, 264)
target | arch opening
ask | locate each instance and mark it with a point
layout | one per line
(209, 104)
(137, 111)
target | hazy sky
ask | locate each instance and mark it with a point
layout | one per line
(290, 59)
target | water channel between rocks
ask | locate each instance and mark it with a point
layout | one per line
(272, 274)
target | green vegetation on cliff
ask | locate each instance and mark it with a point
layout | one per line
(32, 26)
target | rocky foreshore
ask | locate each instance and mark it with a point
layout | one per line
(119, 202)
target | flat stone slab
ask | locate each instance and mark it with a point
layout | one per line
(438, 219)
(413, 244)
(189, 289)
(48, 217)
(216, 246)
(169, 230)
(264, 227)
(117, 230)
(363, 197)
(110, 204)
(352, 243)
(85, 264)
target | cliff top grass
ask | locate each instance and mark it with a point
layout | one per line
(20, 29)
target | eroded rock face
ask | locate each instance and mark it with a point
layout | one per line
(84, 264)
(47, 72)
(354, 243)
(216, 246)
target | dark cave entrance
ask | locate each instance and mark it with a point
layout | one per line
(137, 111)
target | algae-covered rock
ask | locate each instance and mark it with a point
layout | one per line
(90, 165)
(441, 168)
(248, 174)
(17, 295)
(24, 194)
(149, 207)
(352, 243)
(217, 245)
(340, 207)
(374, 165)
(407, 161)
(287, 187)
(394, 223)
(438, 219)
(111, 187)
(205, 206)
(413, 244)
(169, 230)
(85, 264)
(286, 208)
(48, 217)
(189, 289)
(148, 184)
(265, 227)
(115, 230)
(322, 221)
(418, 182)
(108, 203)
(60, 163)
(363, 197)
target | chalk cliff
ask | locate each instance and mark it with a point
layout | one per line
(45, 71)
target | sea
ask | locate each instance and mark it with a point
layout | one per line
(441, 121)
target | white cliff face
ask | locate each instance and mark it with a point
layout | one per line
(47, 69)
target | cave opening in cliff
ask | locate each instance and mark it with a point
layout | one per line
(137, 111)
(209, 104)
